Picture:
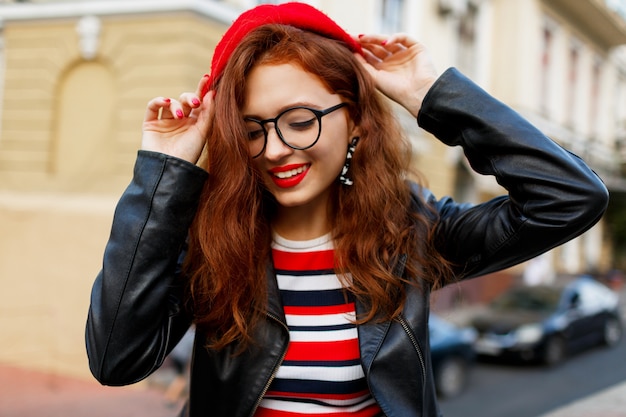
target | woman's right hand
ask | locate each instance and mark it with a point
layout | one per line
(178, 127)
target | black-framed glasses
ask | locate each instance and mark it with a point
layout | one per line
(297, 127)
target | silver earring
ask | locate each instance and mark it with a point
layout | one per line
(343, 178)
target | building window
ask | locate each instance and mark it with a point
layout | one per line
(391, 16)
(571, 87)
(466, 59)
(594, 96)
(546, 66)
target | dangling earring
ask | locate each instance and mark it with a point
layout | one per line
(343, 178)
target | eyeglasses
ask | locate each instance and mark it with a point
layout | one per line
(297, 127)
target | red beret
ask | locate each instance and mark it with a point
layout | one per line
(295, 14)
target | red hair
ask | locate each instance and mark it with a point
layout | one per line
(373, 220)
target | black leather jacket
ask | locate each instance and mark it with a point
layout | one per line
(136, 318)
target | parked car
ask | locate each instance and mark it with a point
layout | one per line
(452, 355)
(546, 323)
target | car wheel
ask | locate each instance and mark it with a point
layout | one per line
(554, 351)
(451, 377)
(612, 332)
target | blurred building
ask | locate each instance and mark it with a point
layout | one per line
(75, 77)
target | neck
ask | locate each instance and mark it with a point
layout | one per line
(301, 223)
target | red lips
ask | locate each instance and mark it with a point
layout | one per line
(289, 175)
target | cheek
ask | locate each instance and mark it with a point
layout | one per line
(333, 158)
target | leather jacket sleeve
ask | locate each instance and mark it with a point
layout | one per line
(136, 317)
(553, 196)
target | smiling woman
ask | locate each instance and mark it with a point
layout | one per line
(297, 179)
(296, 246)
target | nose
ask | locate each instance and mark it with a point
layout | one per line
(275, 148)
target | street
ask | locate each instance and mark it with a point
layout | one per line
(517, 390)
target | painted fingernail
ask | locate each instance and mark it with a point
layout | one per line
(167, 100)
(179, 114)
(383, 43)
(195, 102)
(361, 35)
(206, 75)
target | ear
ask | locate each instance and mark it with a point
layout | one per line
(355, 131)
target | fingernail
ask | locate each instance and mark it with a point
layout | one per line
(383, 43)
(361, 35)
(195, 102)
(179, 113)
(167, 100)
(206, 75)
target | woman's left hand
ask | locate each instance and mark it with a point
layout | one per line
(400, 66)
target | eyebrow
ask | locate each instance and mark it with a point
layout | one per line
(285, 107)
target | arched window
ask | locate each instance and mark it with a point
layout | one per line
(83, 123)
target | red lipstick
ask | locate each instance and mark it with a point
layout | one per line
(288, 176)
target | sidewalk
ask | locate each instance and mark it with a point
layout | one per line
(608, 403)
(26, 393)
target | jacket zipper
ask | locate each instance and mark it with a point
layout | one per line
(275, 370)
(416, 346)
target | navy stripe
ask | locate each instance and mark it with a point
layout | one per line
(321, 328)
(313, 298)
(318, 387)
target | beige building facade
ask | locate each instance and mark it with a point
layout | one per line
(75, 77)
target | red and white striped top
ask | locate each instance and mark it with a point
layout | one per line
(321, 374)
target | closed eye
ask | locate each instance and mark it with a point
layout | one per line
(302, 125)
(255, 134)
(255, 130)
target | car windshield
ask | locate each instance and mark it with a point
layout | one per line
(529, 299)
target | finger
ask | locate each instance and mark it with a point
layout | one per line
(168, 109)
(391, 43)
(371, 38)
(174, 110)
(379, 51)
(203, 87)
(401, 39)
(189, 101)
(368, 66)
(370, 58)
(155, 108)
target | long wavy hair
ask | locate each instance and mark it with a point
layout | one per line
(374, 221)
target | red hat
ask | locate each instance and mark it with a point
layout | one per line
(295, 14)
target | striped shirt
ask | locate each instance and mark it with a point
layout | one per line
(321, 373)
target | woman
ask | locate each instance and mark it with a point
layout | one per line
(299, 250)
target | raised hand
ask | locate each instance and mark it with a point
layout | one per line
(178, 127)
(400, 66)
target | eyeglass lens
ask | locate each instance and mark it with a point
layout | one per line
(299, 128)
